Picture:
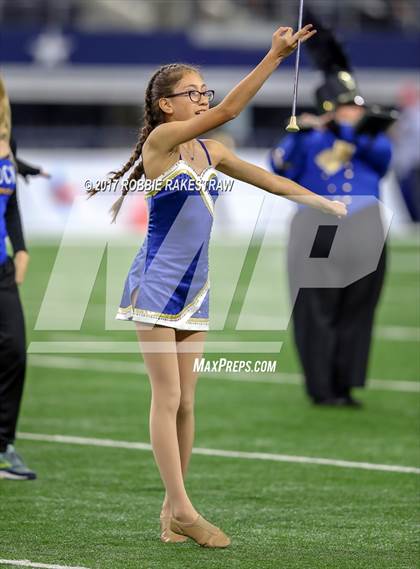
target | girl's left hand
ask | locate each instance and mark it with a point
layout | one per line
(336, 208)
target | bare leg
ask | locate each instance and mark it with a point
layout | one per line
(185, 416)
(188, 381)
(164, 378)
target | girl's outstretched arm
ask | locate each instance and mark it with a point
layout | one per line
(228, 163)
(169, 135)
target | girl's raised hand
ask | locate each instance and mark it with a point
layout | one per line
(284, 41)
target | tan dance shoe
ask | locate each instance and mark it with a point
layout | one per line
(201, 531)
(167, 535)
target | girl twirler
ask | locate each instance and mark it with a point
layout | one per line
(167, 288)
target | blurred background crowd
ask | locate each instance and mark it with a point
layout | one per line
(96, 14)
(76, 71)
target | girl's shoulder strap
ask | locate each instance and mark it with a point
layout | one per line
(205, 150)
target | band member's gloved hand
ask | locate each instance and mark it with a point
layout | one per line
(25, 170)
(316, 122)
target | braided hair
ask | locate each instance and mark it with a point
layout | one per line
(160, 84)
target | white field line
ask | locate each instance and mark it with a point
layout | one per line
(398, 333)
(386, 333)
(393, 333)
(26, 563)
(225, 342)
(118, 347)
(223, 453)
(138, 368)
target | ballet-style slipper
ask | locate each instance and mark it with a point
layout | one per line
(167, 535)
(201, 531)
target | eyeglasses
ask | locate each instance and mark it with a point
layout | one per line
(194, 95)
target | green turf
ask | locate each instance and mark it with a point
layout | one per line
(98, 507)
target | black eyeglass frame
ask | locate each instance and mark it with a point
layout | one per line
(201, 93)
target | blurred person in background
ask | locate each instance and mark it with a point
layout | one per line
(12, 325)
(406, 158)
(167, 292)
(338, 153)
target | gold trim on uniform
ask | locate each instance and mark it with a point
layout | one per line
(174, 171)
(170, 317)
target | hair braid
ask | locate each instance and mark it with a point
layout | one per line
(149, 121)
(161, 82)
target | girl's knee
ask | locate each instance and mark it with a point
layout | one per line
(167, 400)
(186, 405)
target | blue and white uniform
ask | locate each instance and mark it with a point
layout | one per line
(7, 190)
(339, 164)
(168, 282)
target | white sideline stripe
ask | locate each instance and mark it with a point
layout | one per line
(26, 563)
(398, 333)
(224, 453)
(105, 347)
(395, 333)
(112, 366)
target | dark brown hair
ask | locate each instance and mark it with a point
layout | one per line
(160, 84)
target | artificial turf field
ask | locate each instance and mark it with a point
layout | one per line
(97, 507)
